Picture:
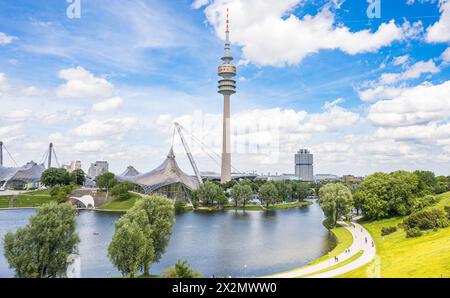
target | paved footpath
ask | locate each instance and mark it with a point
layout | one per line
(359, 244)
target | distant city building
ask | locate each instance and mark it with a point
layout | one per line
(98, 168)
(325, 177)
(304, 165)
(351, 179)
(74, 165)
(282, 177)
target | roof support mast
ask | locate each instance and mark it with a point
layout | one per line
(189, 154)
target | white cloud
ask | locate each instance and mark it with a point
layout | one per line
(413, 72)
(6, 39)
(82, 83)
(420, 104)
(401, 60)
(10, 131)
(108, 105)
(440, 31)
(89, 146)
(18, 115)
(4, 86)
(199, 3)
(97, 128)
(446, 55)
(270, 35)
(431, 132)
(379, 93)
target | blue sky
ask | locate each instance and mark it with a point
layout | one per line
(363, 94)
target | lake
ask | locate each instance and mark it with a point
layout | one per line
(228, 243)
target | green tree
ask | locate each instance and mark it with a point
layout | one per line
(78, 177)
(128, 247)
(181, 270)
(179, 206)
(442, 185)
(241, 193)
(122, 190)
(284, 188)
(268, 193)
(336, 201)
(404, 191)
(155, 216)
(106, 181)
(427, 181)
(209, 193)
(55, 177)
(300, 190)
(41, 249)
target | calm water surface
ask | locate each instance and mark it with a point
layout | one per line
(229, 243)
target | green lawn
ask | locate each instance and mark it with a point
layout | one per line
(349, 260)
(288, 205)
(29, 199)
(344, 241)
(425, 256)
(115, 204)
(247, 208)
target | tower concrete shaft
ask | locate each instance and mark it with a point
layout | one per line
(227, 87)
(50, 150)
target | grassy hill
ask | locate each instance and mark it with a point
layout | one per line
(116, 204)
(29, 199)
(398, 256)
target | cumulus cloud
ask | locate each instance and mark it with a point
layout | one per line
(413, 72)
(4, 86)
(270, 35)
(108, 105)
(379, 93)
(97, 128)
(89, 146)
(18, 115)
(446, 55)
(401, 60)
(416, 105)
(82, 83)
(6, 39)
(440, 31)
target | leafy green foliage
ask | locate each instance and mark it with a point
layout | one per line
(426, 220)
(128, 247)
(241, 193)
(413, 232)
(106, 181)
(388, 230)
(78, 177)
(300, 190)
(209, 193)
(383, 195)
(180, 206)
(336, 201)
(122, 190)
(268, 193)
(154, 216)
(55, 176)
(41, 249)
(181, 270)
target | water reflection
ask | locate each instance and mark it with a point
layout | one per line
(229, 243)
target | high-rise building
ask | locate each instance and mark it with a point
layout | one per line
(98, 168)
(227, 87)
(304, 165)
(74, 165)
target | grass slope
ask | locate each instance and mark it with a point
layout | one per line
(344, 241)
(116, 204)
(398, 256)
(29, 199)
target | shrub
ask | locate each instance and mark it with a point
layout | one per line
(427, 220)
(425, 201)
(121, 190)
(54, 191)
(180, 206)
(388, 230)
(447, 209)
(413, 232)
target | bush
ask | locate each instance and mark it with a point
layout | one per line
(181, 270)
(447, 209)
(426, 201)
(413, 232)
(54, 191)
(388, 230)
(180, 206)
(121, 190)
(61, 197)
(427, 220)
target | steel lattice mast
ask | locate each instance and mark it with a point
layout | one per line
(227, 87)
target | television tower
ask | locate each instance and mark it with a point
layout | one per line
(227, 87)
